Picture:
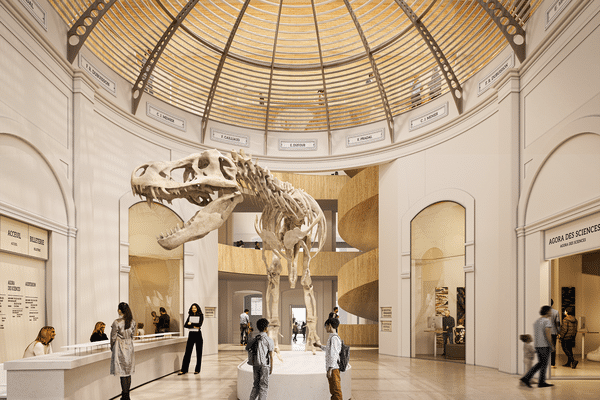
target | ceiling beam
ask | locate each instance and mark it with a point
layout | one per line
(384, 101)
(86, 23)
(312, 2)
(150, 64)
(437, 53)
(271, 75)
(213, 86)
(508, 25)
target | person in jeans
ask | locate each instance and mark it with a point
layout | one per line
(332, 358)
(244, 325)
(568, 332)
(542, 332)
(262, 362)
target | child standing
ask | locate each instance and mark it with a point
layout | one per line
(260, 356)
(528, 351)
(332, 358)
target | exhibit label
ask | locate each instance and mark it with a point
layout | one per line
(573, 237)
(210, 312)
(386, 312)
(298, 145)
(428, 118)
(364, 138)
(230, 138)
(38, 12)
(105, 82)
(496, 74)
(164, 117)
(555, 10)
(386, 326)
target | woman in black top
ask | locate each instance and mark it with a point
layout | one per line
(98, 333)
(193, 323)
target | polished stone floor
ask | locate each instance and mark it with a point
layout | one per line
(374, 377)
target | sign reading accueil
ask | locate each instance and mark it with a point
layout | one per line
(38, 12)
(165, 118)
(364, 138)
(428, 118)
(105, 82)
(495, 74)
(230, 138)
(298, 145)
(573, 237)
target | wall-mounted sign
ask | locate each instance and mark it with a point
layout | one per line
(573, 237)
(493, 76)
(38, 242)
(38, 12)
(105, 82)
(428, 118)
(364, 138)
(386, 312)
(14, 236)
(256, 306)
(20, 238)
(298, 145)
(386, 326)
(230, 138)
(210, 312)
(164, 117)
(554, 11)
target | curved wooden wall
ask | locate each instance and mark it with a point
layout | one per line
(359, 335)
(320, 187)
(358, 285)
(239, 260)
(358, 210)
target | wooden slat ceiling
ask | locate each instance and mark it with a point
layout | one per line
(131, 28)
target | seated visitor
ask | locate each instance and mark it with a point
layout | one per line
(41, 344)
(140, 329)
(98, 334)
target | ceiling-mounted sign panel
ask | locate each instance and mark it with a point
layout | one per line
(364, 138)
(489, 80)
(298, 145)
(105, 82)
(230, 138)
(164, 117)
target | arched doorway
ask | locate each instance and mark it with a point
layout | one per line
(438, 299)
(156, 274)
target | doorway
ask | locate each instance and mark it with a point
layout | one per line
(438, 293)
(298, 322)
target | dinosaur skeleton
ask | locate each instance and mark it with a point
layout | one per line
(291, 220)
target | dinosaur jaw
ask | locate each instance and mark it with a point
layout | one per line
(202, 223)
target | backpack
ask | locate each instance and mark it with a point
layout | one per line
(252, 348)
(344, 357)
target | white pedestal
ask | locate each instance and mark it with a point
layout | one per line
(301, 376)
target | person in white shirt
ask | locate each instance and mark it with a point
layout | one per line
(332, 358)
(244, 323)
(41, 344)
(543, 346)
(260, 356)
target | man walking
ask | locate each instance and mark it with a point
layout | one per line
(542, 332)
(244, 323)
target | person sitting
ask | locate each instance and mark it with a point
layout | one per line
(140, 329)
(98, 333)
(41, 344)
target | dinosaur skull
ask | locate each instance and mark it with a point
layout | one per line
(205, 179)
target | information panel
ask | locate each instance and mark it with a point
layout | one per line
(18, 237)
(22, 303)
(573, 237)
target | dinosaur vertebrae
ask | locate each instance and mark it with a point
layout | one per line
(286, 210)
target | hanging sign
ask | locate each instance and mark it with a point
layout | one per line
(298, 145)
(573, 237)
(428, 118)
(105, 82)
(165, 118)
(364, 138)
(38, 12)
(230, 138)
(495, 74)
(555, 10)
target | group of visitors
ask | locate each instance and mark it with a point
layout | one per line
(546, 330)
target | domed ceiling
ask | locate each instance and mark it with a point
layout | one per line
(295, 65)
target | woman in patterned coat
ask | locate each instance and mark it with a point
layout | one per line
(122, 362)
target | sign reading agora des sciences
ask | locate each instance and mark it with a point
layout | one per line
(574, 237)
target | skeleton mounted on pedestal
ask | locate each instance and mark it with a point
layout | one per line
(291, 220)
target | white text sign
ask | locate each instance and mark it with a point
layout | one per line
(428, 118)
(298, 145)
(164, 117)
(230, 138)
(364, 138)
(573, 237)
(495, 74)
(106, 83)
